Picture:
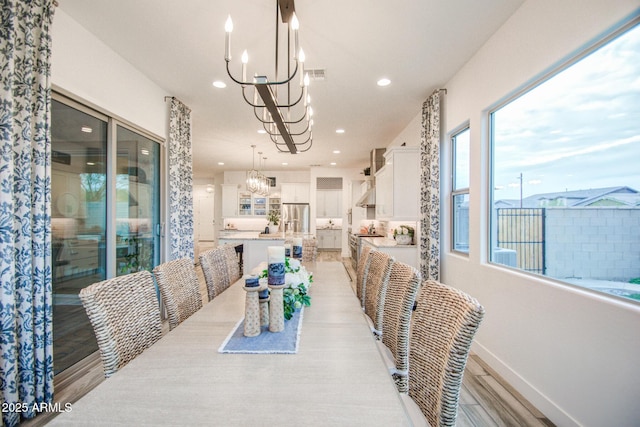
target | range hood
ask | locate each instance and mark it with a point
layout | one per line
(368, 199)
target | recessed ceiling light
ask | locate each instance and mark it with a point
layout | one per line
(262, 131)
(90, 163)
(339, 130)
(284, 163)
(336, 151)
(332, 163)
(86, 129)
(220, 163)
(144, 151)
(219, 84)
(384, 82)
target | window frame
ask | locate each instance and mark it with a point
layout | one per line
(489, 118)
(465, 127)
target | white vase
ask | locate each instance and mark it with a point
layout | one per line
(404, 239)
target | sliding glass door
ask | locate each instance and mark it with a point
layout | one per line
(137, 202)
(105, 214)
(78, 223)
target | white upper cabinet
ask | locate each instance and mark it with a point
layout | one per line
(329, 204)
(398, 185)
(296, 192)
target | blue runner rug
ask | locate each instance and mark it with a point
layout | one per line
(267, 342)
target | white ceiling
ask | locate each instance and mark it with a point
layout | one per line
(418, 44)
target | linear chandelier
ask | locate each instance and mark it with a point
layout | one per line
(284, 120)
(257, 182)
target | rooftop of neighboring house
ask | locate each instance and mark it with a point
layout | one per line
(609, 196)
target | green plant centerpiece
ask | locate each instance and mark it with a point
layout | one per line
(298, 280)
(404, 234)
(273, 217)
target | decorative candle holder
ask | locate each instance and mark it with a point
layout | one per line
(276, 308)
(297, 248)
(263, 297)
(275, 279)
(252, 319)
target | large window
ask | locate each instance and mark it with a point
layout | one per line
(90, 244)
(460, 190)
(566, 175)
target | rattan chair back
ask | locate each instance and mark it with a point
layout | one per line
(404, 282)
(179, 289)
(215, 271)
(233, 263)
(125, 316)
(309, 249)
(442, 330)
(363, 264)
(375, 287)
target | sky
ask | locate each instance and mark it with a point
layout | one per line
(578, 130)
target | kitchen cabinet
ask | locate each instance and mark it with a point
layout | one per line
(398, 185)
(229, 200)
(243, 203)
(251, 204)
(295, 192)
(259, 205)
(274, 204)
(329, 238)
(329, 204)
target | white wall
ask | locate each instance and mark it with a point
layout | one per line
(571, 353)
(88, 70)
(85, 67)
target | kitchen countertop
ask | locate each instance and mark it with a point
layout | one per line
(257, 235)
(384, 242)
(252, 235)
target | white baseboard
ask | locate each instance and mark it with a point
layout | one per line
(545, 405)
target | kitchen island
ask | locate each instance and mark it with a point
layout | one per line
(403, 253)
(254, 244)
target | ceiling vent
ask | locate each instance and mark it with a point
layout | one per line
(317, 74)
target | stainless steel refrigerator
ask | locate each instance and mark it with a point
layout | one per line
(295, 217)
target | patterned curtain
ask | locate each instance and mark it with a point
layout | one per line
(26, 339)
(180, 181)
(430, 189)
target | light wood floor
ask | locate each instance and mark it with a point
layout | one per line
(486, 400)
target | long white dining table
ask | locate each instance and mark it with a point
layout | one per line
(337, 377)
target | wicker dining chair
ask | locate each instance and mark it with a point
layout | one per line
(363, 264)
(309, 249)
(125, 316)
(233, 264)
(214, 269)
(376, 280)
(442, 329)
(179, 289)
(404, 283)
